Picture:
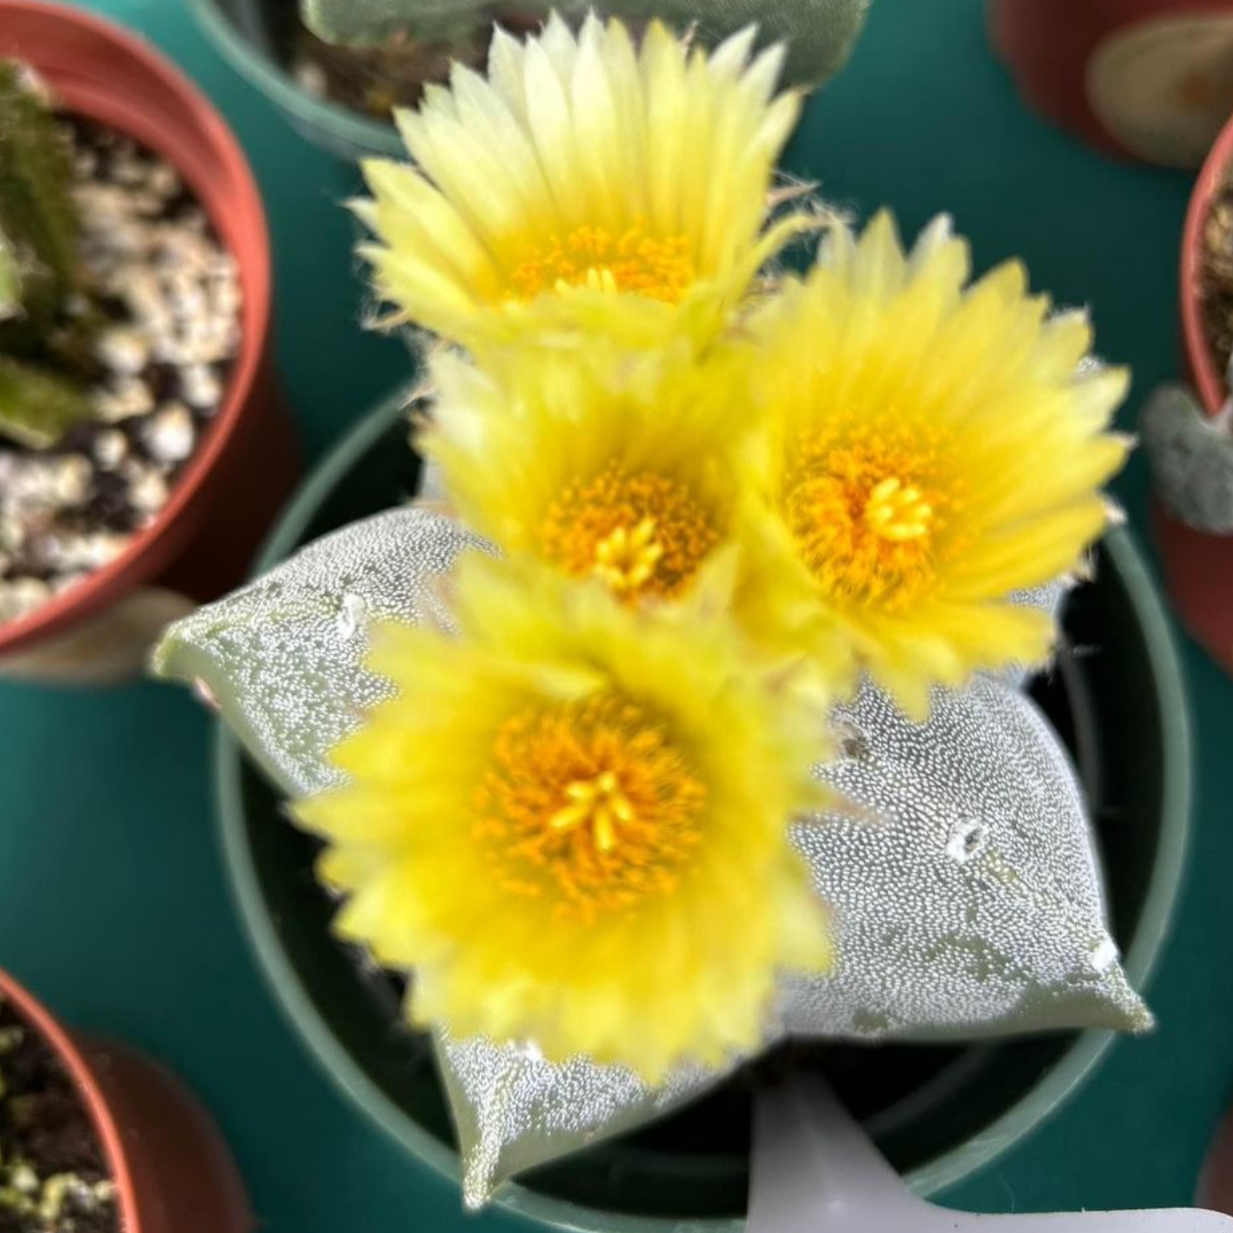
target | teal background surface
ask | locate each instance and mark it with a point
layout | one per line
(113, 904)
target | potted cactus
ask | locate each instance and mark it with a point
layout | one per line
(940, 1110)
(52, 1171)
(337, 68)
(686, 721)
(1187, 430)
(96, 1139)
(135, 382)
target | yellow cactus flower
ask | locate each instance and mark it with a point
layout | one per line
(584, 186)
(932, 447)
(571, 822)
(595, 462)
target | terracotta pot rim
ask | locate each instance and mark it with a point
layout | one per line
(1207, 380)
(130, 568)
(38, 1017)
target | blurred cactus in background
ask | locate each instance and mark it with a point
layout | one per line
(818, 34)
(44, 313)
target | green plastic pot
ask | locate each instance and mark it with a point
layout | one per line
(939, 1113)
(246, 32)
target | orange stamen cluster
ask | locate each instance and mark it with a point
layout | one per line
(635, 262)
(591, 803)
(641, 533)
(866, 517)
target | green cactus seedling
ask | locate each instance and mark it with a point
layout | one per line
(40, 395)
(38, 405)
(36, 205)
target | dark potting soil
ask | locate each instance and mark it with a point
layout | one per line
(1216, 277)
(53, 1176)
(165, 299)
(374, 80)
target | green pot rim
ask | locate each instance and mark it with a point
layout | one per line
(335, 127)
(1060, 1082)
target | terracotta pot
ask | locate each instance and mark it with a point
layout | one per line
(200, 544)
(173, 1173)
(1199, 567)
(1216, 1183)
(1145, 79)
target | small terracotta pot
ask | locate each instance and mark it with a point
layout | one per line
(200, 544)
(1199, 567)
(1143, 79)
(173, 1173)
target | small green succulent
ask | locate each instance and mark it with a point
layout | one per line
(1191, 455)
(41, 343)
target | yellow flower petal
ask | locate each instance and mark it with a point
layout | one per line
(608, 873)
(584, 186)
(928, 451)
(598, 463)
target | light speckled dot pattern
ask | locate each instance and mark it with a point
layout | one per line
(284, 655)
(513, 1110)
(967, 900)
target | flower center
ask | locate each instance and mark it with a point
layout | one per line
(590, 803)
(866, 518)
(598, 804)
(641, 533)
(632, 261)
(626, 559)
(897, 511)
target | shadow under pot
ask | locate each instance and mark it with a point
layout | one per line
(155, 496)
(938, 1112)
